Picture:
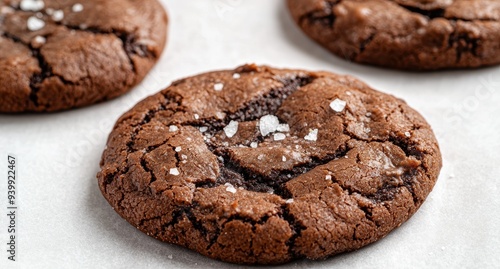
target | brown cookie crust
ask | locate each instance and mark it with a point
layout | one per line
(176, 167)
(85, 51)
(405, 34)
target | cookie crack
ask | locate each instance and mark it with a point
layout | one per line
(129, 42)
(429, 13)
(296, 228)
(324, 16)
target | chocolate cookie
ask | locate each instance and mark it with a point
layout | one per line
(57, 55)
(405, 34)
(263, 166)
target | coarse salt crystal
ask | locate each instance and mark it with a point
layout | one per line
(283, 128)
(283, 159)
(328, 177)
(260, 157)
(32, 5)
(230, 188)
(178, 149)
(338, 105)
(58, 15)
(254, 145)
(220, 115)
(174, 171)
(312, 136)
(184, 157)
(289, 201)
(218, 87)
(203, 129)
(173, 128)
(268, 124)
(35, 24)
(236, 76)
(40, 39)
(231, 129)
(279, 136)
(196, 116)
(170, 257)
(77, 8)
(407, 134)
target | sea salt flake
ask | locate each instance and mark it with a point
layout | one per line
(58, 15)
(173, 128)
(231, 129)
(196, 116)
(283, 128)
(289, 201)
(312, 136)
(35, 24)
(254, 145)
(32, 5)
(283, 159)
(268, 124)
(328, 177)
(218, 87)
(236, 76)
(77, 8)
(220, 115)
(230, 188)
(174, 171)
(184, 157)
(407, 134)
(178, 149)
(338, 105)
(279, 136)
(203, 129)
(40, 39)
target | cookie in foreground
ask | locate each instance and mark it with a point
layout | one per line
(58, 55)
(405, 34)
(263, 166)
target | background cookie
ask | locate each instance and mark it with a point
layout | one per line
(57, 55)
(261, 165)
(405, 34)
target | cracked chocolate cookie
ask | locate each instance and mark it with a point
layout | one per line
(57, 55)
(405, 34)
(262, 166)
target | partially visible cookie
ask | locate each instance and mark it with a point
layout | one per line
(57, 55)
(262, 166)
(405, 34)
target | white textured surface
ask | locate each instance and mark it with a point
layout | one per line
(64, 222)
